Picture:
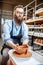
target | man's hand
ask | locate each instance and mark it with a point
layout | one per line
(16, 46)
(25, 42)
(25, 45)
(21, 49)
(18, 49)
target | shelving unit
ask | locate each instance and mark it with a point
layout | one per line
(34, 23)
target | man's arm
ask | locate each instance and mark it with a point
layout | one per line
(25, 35)
(11, 44)
(7, 38)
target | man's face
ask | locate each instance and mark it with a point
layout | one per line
(19, 12)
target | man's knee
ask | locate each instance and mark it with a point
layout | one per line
(5, 55)
(5, 52)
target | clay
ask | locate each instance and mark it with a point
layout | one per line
(22, 49)
(28, 54)
(24, 53)
(25, 45)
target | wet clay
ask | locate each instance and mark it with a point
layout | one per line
(28, 54)
(24, 53)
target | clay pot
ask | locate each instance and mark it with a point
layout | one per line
(36, 40)
(22, 49)
(42, 41)
(41, 25)
(39, 40)
(25, 48)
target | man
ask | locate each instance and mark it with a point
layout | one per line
(15, 32)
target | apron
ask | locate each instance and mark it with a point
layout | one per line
(17, 39)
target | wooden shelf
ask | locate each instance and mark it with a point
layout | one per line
(38, 43)
(29, 21)
(30, 34)
(31, 27)
(36, 35)
(39, 12)
(35, 27)
(38, 27)
(36, 20)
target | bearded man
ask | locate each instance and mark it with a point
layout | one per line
(15, 32)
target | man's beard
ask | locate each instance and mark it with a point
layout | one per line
(18, 21)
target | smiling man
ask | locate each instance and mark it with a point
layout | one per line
(15, 32)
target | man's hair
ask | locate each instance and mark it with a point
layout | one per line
(18, 6)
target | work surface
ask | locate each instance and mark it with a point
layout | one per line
(19, 61)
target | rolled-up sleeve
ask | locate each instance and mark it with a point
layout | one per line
(7, 33)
